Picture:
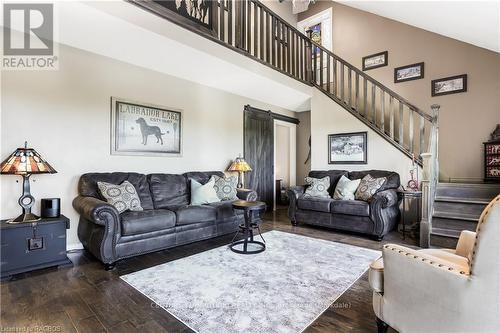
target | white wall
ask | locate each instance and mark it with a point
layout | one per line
(327, 117)
(65, 116)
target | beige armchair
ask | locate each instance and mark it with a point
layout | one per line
(441, 290)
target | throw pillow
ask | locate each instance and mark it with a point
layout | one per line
(346, 188)
(317, 187)
(368, 187)
(226, 187)
(203, 194)
(123, 197)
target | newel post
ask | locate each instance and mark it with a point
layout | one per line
(430, 178)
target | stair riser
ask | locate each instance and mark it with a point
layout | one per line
(467, 191)
(451, 224)
(459, 208)
(443, 242)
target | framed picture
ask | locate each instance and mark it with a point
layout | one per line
(409, 72)
(375, 60)
(347, 148)
(145, 129)
(449, 85)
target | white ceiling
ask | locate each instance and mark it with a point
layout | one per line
(122, 31)
(473, 22)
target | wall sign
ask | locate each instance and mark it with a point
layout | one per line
(145, 129)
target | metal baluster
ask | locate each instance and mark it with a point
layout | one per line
(374, 109)
(422, 134)
(249, 26)
(391, 115)
(356, 101)
(342, 84)
(411, 130)
(230, 22)
(328, 73)
(262, 20)
(365, 98)
(222, 13)
(382, 106)
(401, 115)
(349, 84)
(321, 68)
(334, 68)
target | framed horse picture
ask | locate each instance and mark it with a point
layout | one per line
(145, 129)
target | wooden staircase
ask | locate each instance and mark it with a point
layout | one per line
(457, 207)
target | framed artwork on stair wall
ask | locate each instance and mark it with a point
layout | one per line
(347, 148)
(145, 129)
(376, 60)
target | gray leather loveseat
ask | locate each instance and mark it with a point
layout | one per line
(376, 217)
(166, 221)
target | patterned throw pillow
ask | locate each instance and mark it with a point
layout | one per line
(203, 194)
(123, 197)
(368, 187)
(226, 187)
(346, 188)
(317, 187)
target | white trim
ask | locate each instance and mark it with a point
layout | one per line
(325, 18)
(293, 155)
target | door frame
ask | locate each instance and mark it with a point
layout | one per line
(273, 117)
(293, 154)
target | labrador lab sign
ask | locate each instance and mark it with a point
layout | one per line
(28, 37)
(145, 129)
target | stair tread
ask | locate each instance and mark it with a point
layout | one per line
(456, 216)
(477, 201)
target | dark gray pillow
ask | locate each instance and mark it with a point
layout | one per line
(123, 197)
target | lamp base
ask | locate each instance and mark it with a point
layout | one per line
(25, 218)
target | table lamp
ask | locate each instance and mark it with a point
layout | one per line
(25, 162)
(240, 165)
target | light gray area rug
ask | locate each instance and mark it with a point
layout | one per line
(283, 289)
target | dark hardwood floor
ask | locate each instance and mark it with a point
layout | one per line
(86, 298)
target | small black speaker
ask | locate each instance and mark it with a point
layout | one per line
(50, 207)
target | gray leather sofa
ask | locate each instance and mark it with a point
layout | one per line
(375, 218)
(166, 221)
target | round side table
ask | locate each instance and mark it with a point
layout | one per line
(247, 229)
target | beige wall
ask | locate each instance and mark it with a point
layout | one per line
(283, 9)
(327, 117)
(303, 134)
(466, 119)
(65, 116)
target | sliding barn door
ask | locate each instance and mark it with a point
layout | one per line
(259, 153)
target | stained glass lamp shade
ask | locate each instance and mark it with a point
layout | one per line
(25, 162)
(240, 165)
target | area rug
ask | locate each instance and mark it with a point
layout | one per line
(283, 289)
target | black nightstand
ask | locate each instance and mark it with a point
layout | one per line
(33, 245)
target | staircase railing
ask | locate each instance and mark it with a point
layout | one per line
(252, 29)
